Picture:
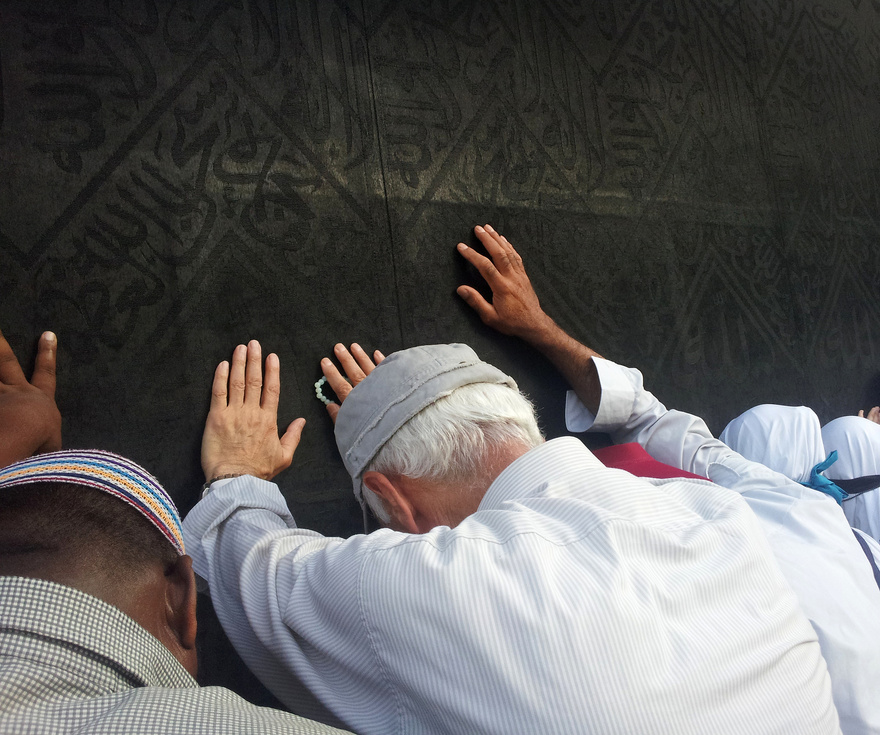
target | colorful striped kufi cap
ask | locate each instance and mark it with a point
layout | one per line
(105, 471)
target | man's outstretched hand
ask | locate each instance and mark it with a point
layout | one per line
(515, 308)
(357, 365)
(30, 422)
(241, 432)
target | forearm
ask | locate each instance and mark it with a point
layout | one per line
(272, 588)
(572, 358)
(231, 523)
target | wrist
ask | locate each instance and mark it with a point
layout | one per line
(216, 478)
(543, 333)
(214, 472)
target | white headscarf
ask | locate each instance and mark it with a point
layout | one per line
(787, 439)
(857, 441)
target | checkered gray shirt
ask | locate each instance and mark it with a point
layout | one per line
(70, 663)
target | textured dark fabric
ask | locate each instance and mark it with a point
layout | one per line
(694, 187)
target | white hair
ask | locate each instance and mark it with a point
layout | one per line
(450, 439)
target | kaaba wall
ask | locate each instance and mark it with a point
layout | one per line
(694, 186)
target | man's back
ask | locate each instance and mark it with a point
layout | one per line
(577, 599)
(70, 663)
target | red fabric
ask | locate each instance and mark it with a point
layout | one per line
(635, 460)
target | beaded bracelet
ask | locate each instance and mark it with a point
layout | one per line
(319, 394)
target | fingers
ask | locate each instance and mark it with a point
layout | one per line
(44, 368)
(341, 387)
(10, 371)
(353, 370)
(290, 441)
(237, 376)
(272, 385)
(506, 258)
(218, 387)
(497, 245)
(357, 366)
(333, 410)
(362, 358)
(485, 266)
(872, 415)
(502, 241)
(253, 373)
(491, 240)
(473, 299)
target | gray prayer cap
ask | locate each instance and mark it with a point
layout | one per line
(402, 385)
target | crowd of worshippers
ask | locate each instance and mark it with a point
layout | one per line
(671, 583)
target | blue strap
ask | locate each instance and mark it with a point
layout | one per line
(819, 482)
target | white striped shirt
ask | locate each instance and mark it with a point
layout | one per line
(577, 599)
(807, 530)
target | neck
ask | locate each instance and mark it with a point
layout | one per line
(141, 593)
(449, 502)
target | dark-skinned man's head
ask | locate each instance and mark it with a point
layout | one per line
(103, 525)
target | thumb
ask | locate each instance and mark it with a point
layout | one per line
(44, 368)
(290, 440)
(473, 299)
(333, 409)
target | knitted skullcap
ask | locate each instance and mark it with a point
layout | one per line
(401, 385)
(105, 471)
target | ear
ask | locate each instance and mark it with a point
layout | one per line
(180, 610)
(393, 495)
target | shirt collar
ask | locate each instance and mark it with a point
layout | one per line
(553, 460)
(65, 615)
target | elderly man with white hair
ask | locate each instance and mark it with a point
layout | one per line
(519, 586)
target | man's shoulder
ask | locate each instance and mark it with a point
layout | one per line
(157, 710)
(51, 623)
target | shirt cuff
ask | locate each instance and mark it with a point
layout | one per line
(225, 499)
(216, 485)
(615, 406)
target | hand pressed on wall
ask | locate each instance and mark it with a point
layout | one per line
(357, 366)
(241, 431)
(30, 422)
(515, 309)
